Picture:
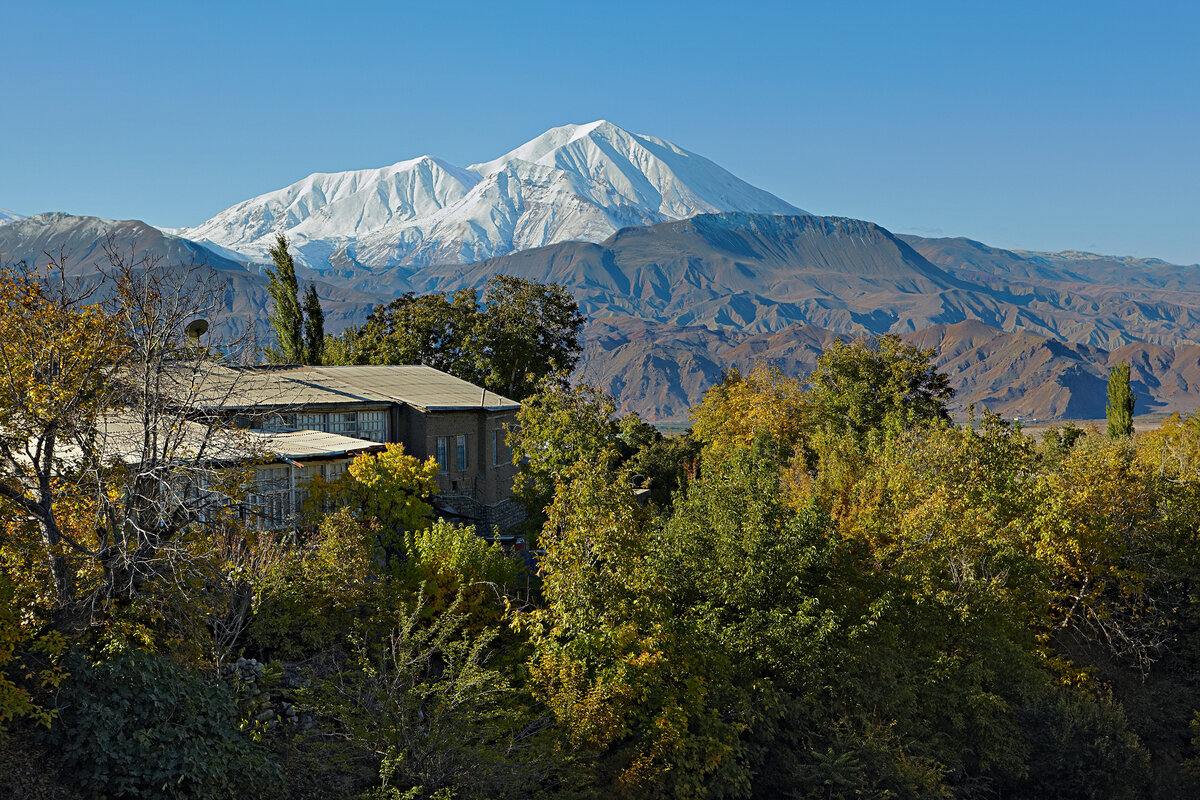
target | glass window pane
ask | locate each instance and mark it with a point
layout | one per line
(461, 455)
(442, 457)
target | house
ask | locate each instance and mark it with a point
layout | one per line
(432, 413)
(199, 455)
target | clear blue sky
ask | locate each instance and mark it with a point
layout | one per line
(1041, 125)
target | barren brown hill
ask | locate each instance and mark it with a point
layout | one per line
(661, 370)
(762, 273)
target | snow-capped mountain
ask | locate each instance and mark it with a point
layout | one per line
(576, 182)
(9, 216)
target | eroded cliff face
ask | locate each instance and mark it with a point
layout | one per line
(661, 370)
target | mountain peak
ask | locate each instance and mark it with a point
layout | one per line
(573, 182)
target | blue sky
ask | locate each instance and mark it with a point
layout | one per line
(1035, 125)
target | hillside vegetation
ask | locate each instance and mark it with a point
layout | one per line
(826, 590)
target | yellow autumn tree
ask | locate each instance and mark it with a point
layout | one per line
(56, 362)
(764, 400)
(391, 488)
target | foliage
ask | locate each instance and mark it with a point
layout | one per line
(1081, 748)
(867, 387)
(314, 327)
(617, 667)
(313, 597)
(740, 407)
(435, 715)
(1058, 441)
(557, 427)
(32, 662)
(877, 385)
(286, 317)
(527, 331)
(97, 534)
(453, 564)
(665, 462)
(389, 488)
(522, 332)
(1121, 399)
(431, 329)
(136, 724)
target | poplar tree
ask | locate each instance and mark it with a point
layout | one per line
(1120, 402)
(314, 327)
(286, 318)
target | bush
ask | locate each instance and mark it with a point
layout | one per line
(139, 725)
(314, 596)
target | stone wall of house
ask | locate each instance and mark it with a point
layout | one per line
(486, 518)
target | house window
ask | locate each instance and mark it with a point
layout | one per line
(310, 422)
(460, 455)
(372, 425)
(344, 423)
(443, 457)
(276, 423)
(270, 497)
(501, 452)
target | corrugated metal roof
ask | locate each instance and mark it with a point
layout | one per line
(306, 387)
(120, 436)
(418, 385)
(311, 444)
(266, 388)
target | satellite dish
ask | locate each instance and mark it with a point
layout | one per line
(196, 328)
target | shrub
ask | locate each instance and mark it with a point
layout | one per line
(138, 725)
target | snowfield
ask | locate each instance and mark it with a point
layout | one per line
(575, 182)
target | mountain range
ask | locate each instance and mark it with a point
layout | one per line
(575, 182)
(78, 244)
(685, 271)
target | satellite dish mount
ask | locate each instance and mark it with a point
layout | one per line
(196, 328)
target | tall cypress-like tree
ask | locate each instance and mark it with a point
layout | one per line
(314, 327)
(1120, 402)
(286, 318)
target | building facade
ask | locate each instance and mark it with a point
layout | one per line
(433, 414)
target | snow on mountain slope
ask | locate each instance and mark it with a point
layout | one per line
(576, 182)
(9, 216)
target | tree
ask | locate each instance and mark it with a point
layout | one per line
(110, 423)
(740, 407)
(559, 426)
(286, 317)
(431, 329)
(314, 327)
(527, 331)
(877, 385)
(522, 332)
(390, 488)
(1121, 399)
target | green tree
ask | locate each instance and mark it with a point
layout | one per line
(877, 385)
(314, 327)
(527, 330)
(522, 332)
(1121, 399)
(431, 329)
(286, 317)
(560, 425)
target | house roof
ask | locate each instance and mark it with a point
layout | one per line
(418, 385)
(299, 445)
(121, 437)
(423, 387)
